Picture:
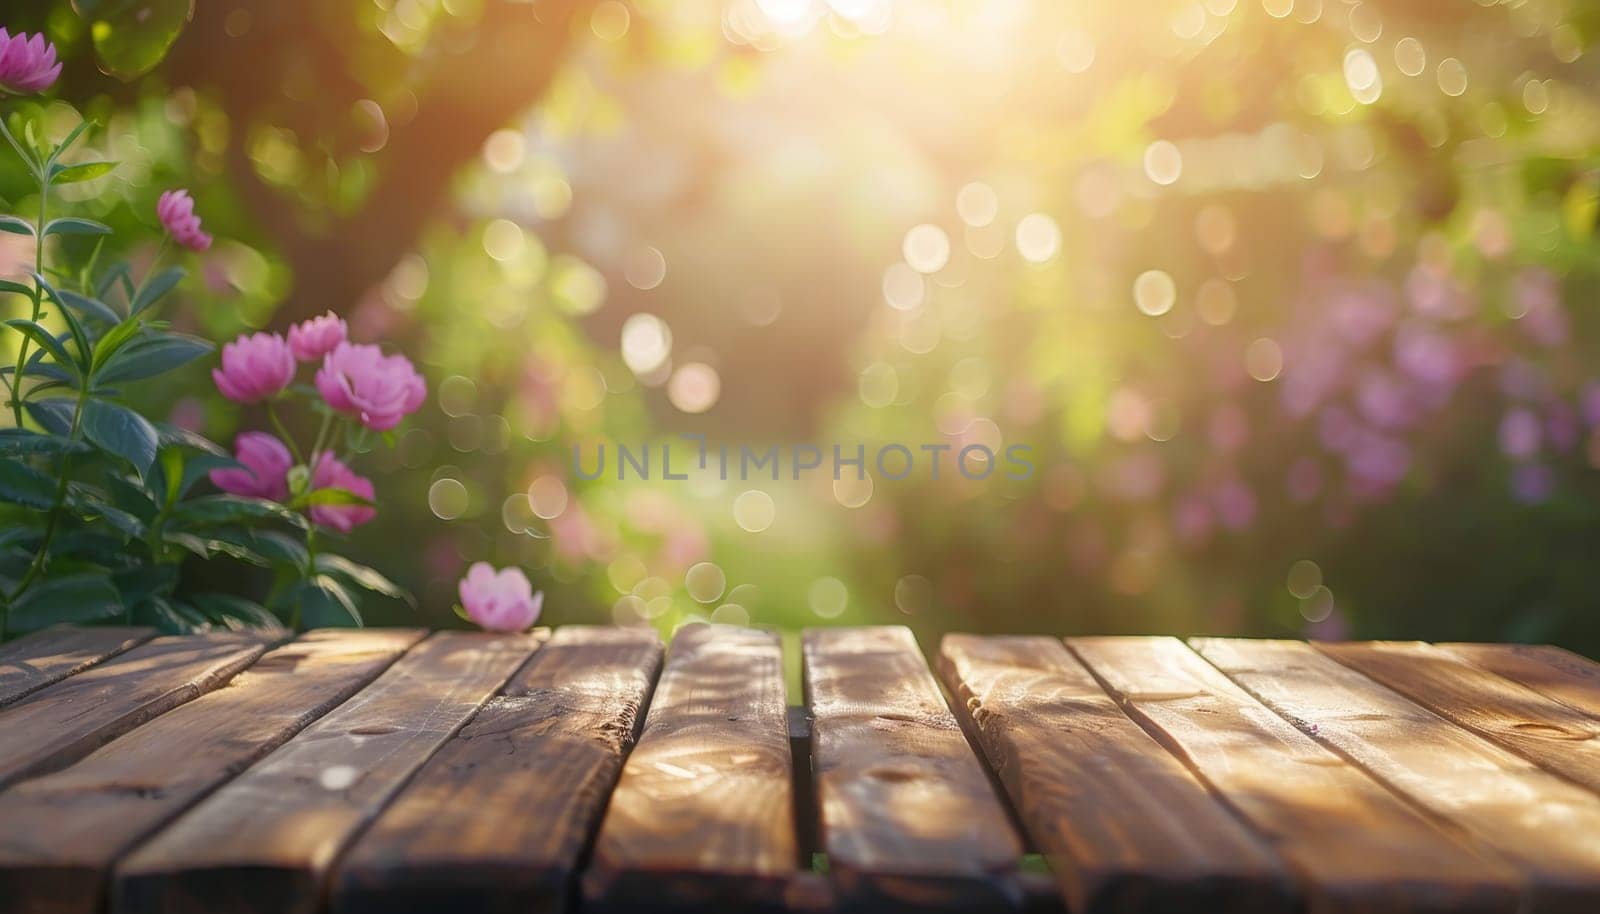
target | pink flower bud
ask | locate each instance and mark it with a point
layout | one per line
(311, 340)
(176, 211)
(377, 389)
(27, 63)
(265, 473)
(331, 473)
(499, 602)
(255, 367)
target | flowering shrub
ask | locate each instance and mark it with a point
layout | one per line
(98, 504)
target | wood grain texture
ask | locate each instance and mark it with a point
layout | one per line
(496, 821)
(1357, 848)
(1548, 828)
(60, 833)
(1545, 668)
(55, 727)
(702, 817)
(45, 657)
(1125, 826)
(264, 841)
(1548, 733)
(908, 817)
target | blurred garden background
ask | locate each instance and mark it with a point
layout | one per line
(1293, 300)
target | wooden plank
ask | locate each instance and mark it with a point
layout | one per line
(908, 816)
(1124, 825)
(49, 656)
(60, 833)
(55, 727)
(1548, 828)
(1356, 846)
(702, 817)
(497, 819)
(1548, 733)
(1558, 673)
(264, 841)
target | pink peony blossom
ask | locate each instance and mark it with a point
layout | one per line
(255, 367)
(331, 473)
(176, 211)
(311, 340)
(265, 473)
(378, 389)
(27, 64)
(499, 602)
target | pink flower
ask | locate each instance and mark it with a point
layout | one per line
(331, 473)
(378, 389)
(176, 211)
(27, 64)
(315, 338)
(255, 367)
(499, 602)
(265, 473)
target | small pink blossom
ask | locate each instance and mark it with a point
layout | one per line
(331, 473)
(378, 389)
(27, 63)
(255, 367)
(265, 473)
(311, 340)
(499, 602)
(176, 211)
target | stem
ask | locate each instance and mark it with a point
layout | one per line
(38, 303)
(40, 557)
(322, 437)
(272, 415)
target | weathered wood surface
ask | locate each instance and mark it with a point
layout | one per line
(907, 815)
(497, 819)
(702, 817)
(1356, 847)
(1552, 735)
(1124, 825)
(56, 726)
(356, 772)
(49, 656)
(264, 842)
(60, 833)
(1547, 827)
(1545, 668)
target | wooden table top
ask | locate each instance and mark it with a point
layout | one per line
(592, 770)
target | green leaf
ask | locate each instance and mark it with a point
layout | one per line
(116, 338)
(211, 510)
(7, 285)
(69, 598)
(83, 171)
(121, 271)
(72, 137)
(331, 496)
(96, 504)
(325, 603)
(363, 577)
(79, 336)
(92, 307)
(69, 225)
(170, 617)
(151, 291)
(122, 432)
(177, 436)
(153, 356)
(23, 441)
(207, 547)
(23, 485)
(54, 415)
(44, 339)
(235, 612)
(131, 38)
(16, 226)
(276, 547)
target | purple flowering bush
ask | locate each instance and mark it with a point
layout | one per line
(102, 509)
